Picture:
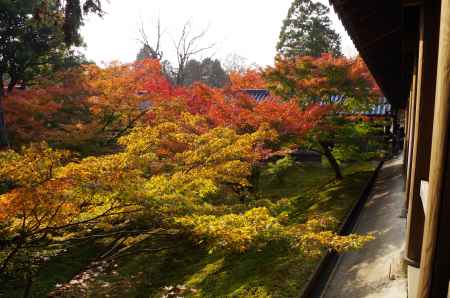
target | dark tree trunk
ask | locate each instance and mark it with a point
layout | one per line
(4, 142)
(29, 284)
(179, 81)
(333, 162)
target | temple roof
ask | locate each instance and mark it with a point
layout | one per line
(385, 34)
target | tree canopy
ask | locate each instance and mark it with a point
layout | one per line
(345, 85)
(181, 159)
(126, 153)
(307, 31)
(316, 79)
(32, 43)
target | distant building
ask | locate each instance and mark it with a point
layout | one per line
(382, 109)
(258, 94)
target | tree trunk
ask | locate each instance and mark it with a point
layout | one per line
(29, 284)
(4, 142)
(180, 77)
(333, 162)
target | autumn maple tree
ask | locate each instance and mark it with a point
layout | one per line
(344, 85)
(86, 108)
(317, 79)
(181, 160)
(179, 174)
(248, 79)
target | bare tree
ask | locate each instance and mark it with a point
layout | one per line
(150, 50)
(187, 46)
(235, 63)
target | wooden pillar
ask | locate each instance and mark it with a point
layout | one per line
(412, 125)
(406, 145)
(423, 119)
(434, 277)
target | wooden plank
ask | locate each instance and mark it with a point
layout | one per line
(435, 258)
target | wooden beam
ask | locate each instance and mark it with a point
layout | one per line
(381, 37)
(436, 233)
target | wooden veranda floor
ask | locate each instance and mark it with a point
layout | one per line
(376, 270)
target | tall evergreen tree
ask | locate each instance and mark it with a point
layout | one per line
(307, 31)
(73, 16)
(144, 53)
(208, 71)
(213, 74)
(33, 42)
(193, 72)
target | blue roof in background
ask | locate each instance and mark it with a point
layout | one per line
(382, 108)
(258, 94)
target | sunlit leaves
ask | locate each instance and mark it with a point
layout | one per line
(236, 232)
(187, 160)
(256, 227)
(38, 197)
(34, 165)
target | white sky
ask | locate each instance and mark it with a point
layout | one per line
(249, 28)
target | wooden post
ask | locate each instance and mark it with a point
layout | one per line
(433, 279)
(405, 145)
(415, 218)
(406, 160)
(423, 119)
(412, 125)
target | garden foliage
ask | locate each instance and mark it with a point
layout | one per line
(103, 149)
